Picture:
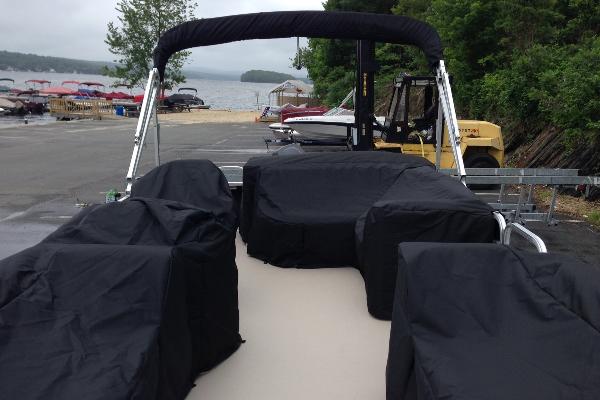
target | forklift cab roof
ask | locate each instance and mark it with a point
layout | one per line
(314, 24)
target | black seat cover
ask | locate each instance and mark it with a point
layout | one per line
(197, 182)
(127, 300)
(483, 321)
(300, 210)
(422, 205)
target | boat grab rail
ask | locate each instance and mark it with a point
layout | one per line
(526, 234)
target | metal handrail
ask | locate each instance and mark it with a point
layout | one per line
(525, 233)
(447, 101)
(501, 224)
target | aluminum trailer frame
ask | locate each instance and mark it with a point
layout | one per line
(526, 179)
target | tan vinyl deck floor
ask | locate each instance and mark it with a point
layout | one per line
(308, 336)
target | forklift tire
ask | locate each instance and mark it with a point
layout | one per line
(481, 160)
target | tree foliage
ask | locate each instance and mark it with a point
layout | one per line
(529, 65)
(331, 63)
(140, 24)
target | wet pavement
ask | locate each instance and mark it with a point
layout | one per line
(46, 170)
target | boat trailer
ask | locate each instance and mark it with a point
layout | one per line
(526, 179)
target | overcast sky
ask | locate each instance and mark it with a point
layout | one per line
(77, 29)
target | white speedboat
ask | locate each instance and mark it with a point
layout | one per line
(321, 126)
(316, 127)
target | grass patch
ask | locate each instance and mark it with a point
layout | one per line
(594, 218)
(577, 207)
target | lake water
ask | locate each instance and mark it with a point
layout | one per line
(219, 94)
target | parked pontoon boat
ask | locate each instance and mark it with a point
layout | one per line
(33, 101)
(4, 88)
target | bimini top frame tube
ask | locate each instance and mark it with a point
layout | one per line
(312, 24)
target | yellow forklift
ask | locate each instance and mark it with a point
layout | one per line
(414, 125)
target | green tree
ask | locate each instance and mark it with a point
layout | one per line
(140, 24)
(529, 65)
(331, 63)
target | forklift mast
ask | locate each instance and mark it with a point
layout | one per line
(364, 107)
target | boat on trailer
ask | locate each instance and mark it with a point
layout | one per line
(318, 127)
(330, 126)
(157, 271)
(284, 229)
(186, 98)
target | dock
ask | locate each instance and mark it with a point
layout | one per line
(69, 109)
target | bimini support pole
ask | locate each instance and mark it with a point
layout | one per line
(365, 99)
(445, 93)
(147, 111)
(439, 137)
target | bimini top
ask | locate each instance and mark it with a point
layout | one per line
(314, 24)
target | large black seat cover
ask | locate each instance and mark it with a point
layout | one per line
(197, 182)
(483, 321)
(300, 210)
(421, 206)
(127, 300)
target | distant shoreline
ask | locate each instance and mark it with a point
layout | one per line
(22, 62)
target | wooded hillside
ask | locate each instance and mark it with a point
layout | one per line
(260, 76)
(31, 62)
(530, 66)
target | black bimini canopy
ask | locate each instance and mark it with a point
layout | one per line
(313, 24)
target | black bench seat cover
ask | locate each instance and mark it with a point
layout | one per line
(87, 322)
(127, 300)
(483, 321)
(421, 206)
(300, 210)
